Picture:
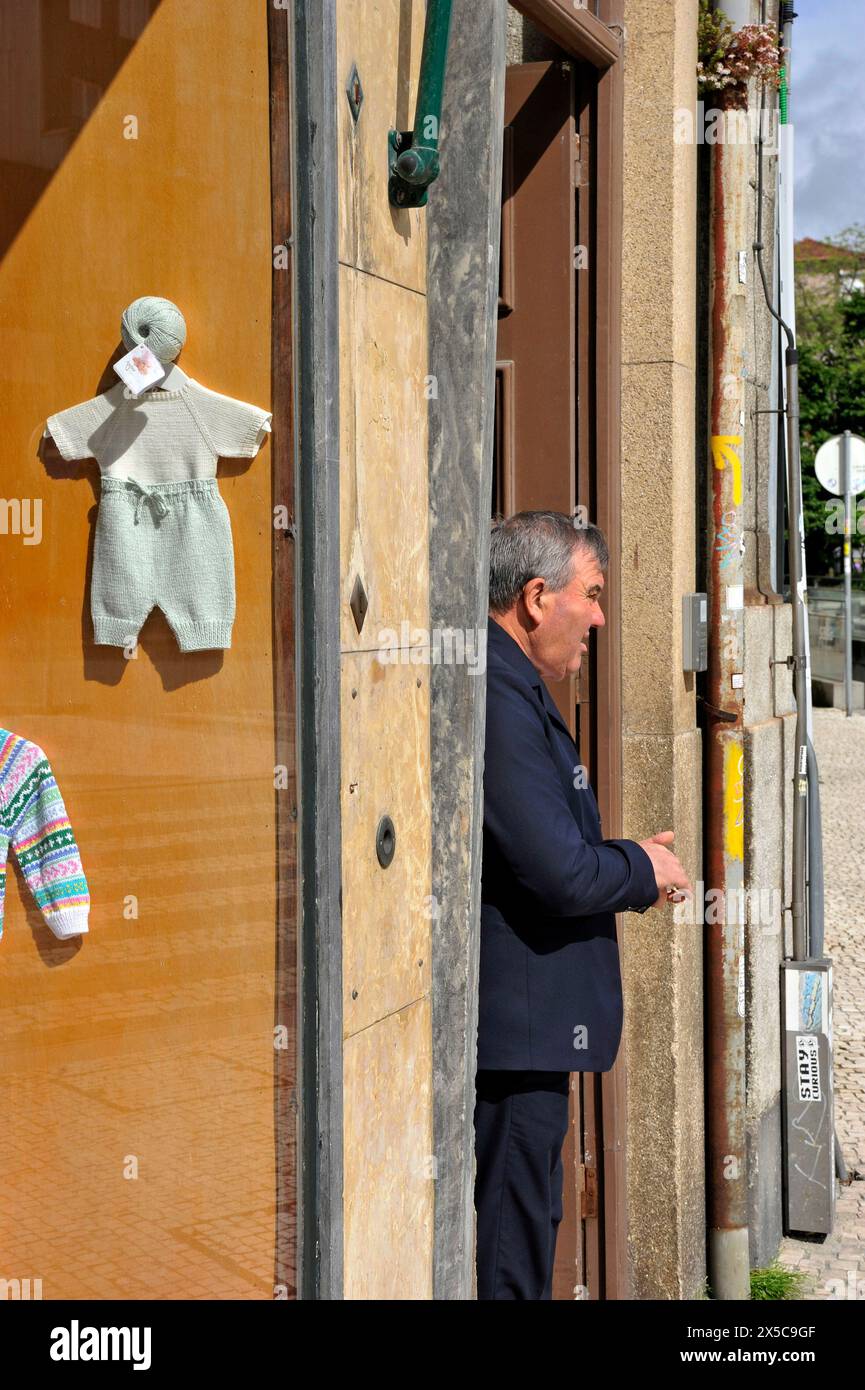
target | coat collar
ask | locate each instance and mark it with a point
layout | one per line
(501, 642)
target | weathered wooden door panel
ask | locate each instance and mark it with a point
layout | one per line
(146, 1103)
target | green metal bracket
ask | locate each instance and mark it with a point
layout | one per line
(413, 155)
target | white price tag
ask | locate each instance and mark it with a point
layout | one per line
(139, 369)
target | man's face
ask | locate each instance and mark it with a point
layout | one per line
(561, 637)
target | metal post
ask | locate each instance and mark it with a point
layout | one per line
(848, 583)
(796, 551)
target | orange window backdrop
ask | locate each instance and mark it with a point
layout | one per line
(138, 1108)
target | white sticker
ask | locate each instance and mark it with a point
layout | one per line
(791, 1014)
(740, 993)
(808, 1067)
(738, 680)
(803, 759)
(139, 369)
(735, 596)
(702, 610)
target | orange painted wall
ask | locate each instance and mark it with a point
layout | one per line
(137, 1136)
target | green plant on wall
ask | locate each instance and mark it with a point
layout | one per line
(714, 34)
(728, 58)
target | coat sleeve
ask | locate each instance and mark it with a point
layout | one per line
(527, 816)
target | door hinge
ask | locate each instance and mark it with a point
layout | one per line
(577, 162)
(588, 1192)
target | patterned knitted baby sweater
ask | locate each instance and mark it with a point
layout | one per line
(34, 822)
(160, 436)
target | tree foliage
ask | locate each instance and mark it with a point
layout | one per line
(830, 330)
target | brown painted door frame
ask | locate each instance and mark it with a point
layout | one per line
(592, 1246)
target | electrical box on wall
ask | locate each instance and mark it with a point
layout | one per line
(694, 627)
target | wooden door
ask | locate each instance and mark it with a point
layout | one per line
(542, 460)
(535, 436)
(147, 1102)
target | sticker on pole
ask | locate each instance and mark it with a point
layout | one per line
(828, 465)
(808, 1067)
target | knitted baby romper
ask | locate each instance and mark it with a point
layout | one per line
(163, 534)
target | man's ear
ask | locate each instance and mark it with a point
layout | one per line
(534, 599)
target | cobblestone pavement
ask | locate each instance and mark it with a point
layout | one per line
(840, 746)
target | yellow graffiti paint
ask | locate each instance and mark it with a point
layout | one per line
(724, 452)
(734, 800)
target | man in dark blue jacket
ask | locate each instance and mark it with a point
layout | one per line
(550, 993)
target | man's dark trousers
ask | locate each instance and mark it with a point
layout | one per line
(521, 1119)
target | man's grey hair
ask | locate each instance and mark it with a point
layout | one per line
(532, 545)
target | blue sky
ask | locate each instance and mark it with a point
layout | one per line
(828, 110)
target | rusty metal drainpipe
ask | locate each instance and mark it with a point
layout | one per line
(724, 932)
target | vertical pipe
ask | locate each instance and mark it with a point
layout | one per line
(727, 1194)
(796, 551)
(428, 108)
(795, 520)
(787, 293)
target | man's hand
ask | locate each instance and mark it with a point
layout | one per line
(669, 873)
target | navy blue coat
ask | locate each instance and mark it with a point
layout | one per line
(550, 988)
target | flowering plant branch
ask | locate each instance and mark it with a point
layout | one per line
(729, 58)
